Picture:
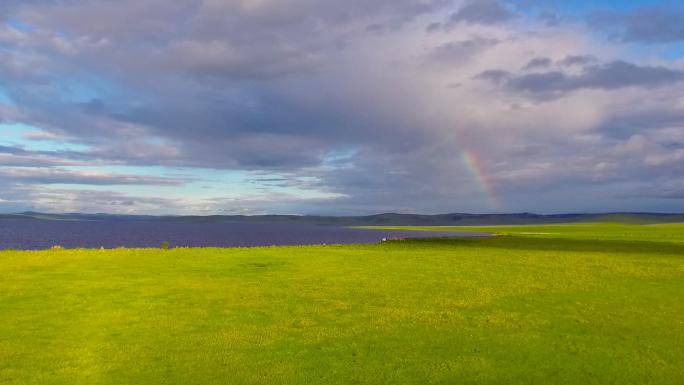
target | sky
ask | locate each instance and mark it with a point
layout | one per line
(341, 107)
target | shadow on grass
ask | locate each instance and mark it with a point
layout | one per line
(510, 242)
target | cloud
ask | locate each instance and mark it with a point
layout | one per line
(45, 199)
(538, 62)
(221, 59)
(665, 190)
(20, 157)
(650, 25)
(577, 60)
(608, 76)
(41, 135)
(482, 11)
(456, 52)
(474, 12)
(63, 176)
(338, 107)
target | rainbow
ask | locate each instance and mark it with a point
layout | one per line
(474, 165)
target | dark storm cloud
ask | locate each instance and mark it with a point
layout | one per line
(660, 24)
(608, 76)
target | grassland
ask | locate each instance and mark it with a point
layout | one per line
(589, 304)
(668, 233)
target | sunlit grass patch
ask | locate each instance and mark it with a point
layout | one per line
(595, 307)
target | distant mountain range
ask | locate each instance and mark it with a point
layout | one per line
(387, 219)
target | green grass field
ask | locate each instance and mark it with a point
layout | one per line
(579, 304)
(669, 233)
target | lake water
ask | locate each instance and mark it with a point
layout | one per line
(30, 234)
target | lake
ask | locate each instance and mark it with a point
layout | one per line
(32, 234)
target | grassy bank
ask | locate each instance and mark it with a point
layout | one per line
(569, 308)
(670, 233)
